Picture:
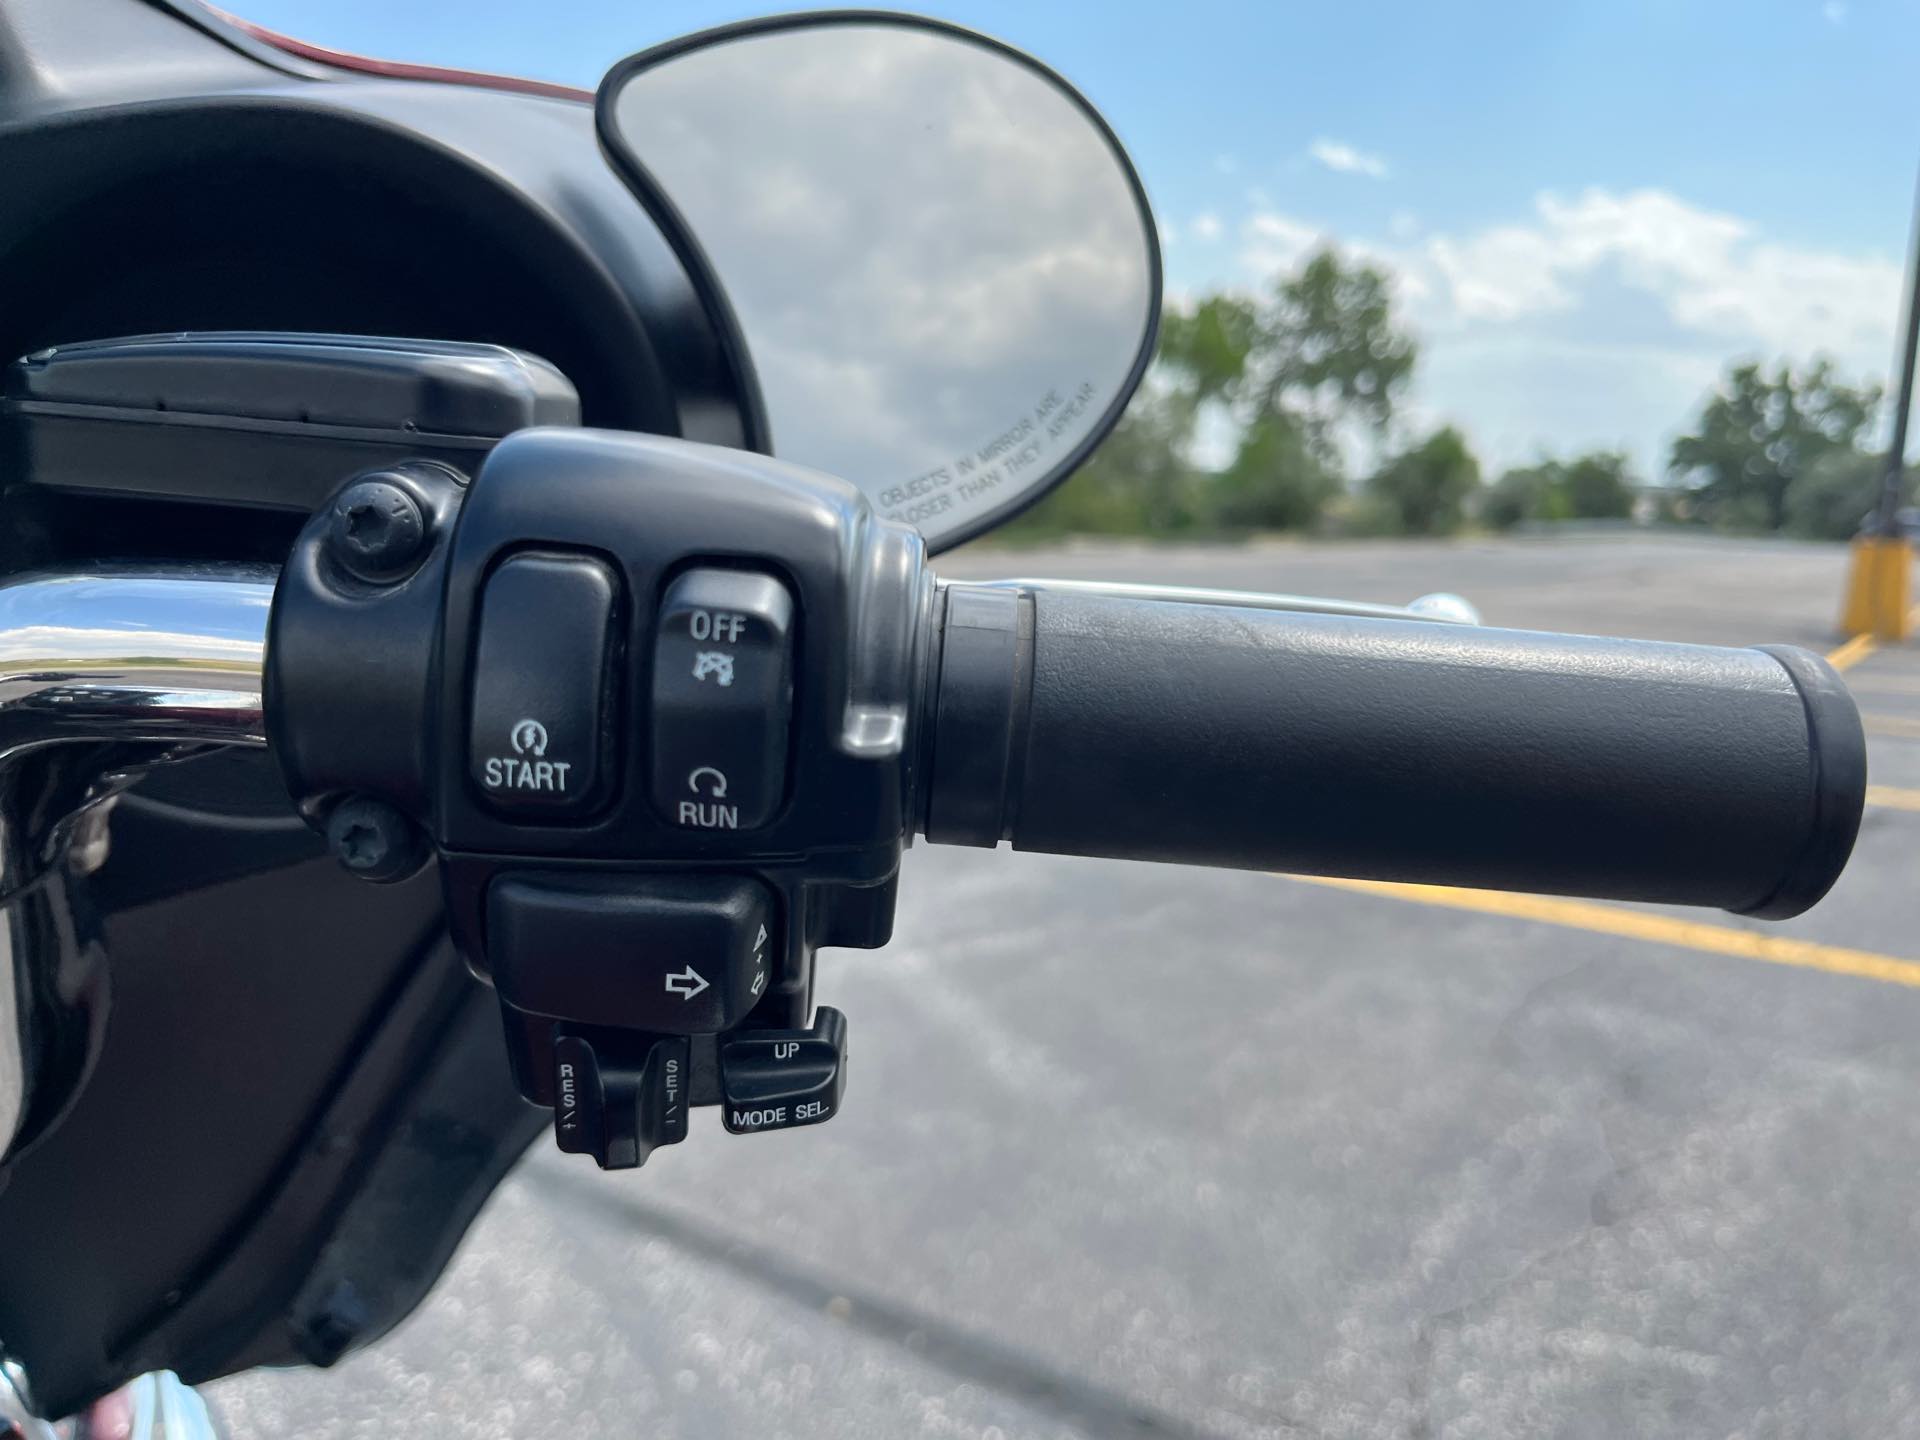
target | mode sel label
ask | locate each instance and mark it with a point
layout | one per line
(772, 1117)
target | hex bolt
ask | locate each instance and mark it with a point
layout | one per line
(376, 531)
(374, 841)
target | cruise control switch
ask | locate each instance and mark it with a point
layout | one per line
(619, 1113)
(777, 1079)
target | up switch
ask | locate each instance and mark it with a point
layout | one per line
(776, 1079)
(536, 731)
(722, 699)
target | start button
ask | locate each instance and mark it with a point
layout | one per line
(537, 727)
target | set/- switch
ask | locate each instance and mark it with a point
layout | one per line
(776, 1079)
(619, 1112)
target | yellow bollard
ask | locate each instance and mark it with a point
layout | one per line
(1879, 587)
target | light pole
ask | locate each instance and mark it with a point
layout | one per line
(1878, 590)
(1885, 518)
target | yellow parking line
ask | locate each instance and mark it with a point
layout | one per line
(1639, 925)
(1903, 727)
(1851, 653)
(1892, 797)
(1861, 646)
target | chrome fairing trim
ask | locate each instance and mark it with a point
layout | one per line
(17, 1415)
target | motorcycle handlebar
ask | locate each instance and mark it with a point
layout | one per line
(1083, 724)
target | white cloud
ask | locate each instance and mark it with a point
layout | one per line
(1205, 228)
(1338, 155)
(1599, 318)
(1272, 242)
(1708, 272)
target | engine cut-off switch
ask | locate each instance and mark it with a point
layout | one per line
(722, 699)
(777, 1079)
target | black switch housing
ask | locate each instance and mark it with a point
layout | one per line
(821, 607)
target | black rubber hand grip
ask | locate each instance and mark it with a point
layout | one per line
(1206, 734)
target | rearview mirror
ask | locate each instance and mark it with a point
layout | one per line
(929, 249)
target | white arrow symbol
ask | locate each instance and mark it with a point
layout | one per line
(687, 984)
(759, 984)
(761, 938)
(716, 788)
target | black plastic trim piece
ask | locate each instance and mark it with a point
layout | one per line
(977, 741)
(1837, 755)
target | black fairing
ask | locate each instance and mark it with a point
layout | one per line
(227, 1190)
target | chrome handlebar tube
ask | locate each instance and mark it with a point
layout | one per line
(103, 674)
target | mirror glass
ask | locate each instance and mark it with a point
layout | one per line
(941, 266)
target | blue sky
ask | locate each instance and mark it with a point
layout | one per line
(1588, 206)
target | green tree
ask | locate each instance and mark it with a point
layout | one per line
(1836, 493)
(1599, 486)
(1758, 433)
(1205, 350)
(1292, 373)
(1427, 487)
(1138, 482)
(1141, 479)
(1327, 347)
(1324, 353)
(1595, 486)
(1526, 493)
(1280, 479)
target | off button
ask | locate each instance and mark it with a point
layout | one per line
(538, 720)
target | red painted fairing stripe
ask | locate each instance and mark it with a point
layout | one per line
(400, 69)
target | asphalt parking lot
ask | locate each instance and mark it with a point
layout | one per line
(1162, 1152)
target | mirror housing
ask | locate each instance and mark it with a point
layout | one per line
(929, 255)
